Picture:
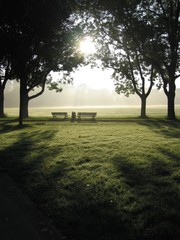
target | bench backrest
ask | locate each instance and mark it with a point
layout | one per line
(60, 114)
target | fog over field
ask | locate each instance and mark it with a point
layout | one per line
(82, 95)
(91, 87)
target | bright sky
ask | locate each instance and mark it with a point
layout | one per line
(93, 78)
(96, 78)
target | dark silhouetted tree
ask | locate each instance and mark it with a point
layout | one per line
(38, 42)
(5, 75)
(150, 31)
(117, 50)
(163, 20)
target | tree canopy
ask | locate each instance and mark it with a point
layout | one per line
(38, 38)
(139, 40)
(139, 31)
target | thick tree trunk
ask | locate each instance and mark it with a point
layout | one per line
(1, 102)
(24, 100)
(171, 102)
(143, 107)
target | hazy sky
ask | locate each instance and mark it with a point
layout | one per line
(94, 78)
(91, 87)
(98, 79)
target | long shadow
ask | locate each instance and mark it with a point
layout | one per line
(28, 162)
(10, 126)
(164, 127)
(7, 126)
(18, 159)
(81, 214)
(147, 207)
(72, 206)
(156, 209)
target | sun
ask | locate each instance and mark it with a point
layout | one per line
(87, 46)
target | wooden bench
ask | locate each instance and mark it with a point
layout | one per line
(60, 114)
(81, 115)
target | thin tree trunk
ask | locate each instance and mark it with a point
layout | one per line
(24, 100)
(169, 90)
(171, 102)
(143, 107)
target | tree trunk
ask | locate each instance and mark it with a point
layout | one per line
(171, 102)
(24, 100)
(1, 102)
(143, 107)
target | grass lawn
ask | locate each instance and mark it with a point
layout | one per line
(102, 112)
(100, 181)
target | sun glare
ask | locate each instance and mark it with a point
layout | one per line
(87, 46)
(93, 78)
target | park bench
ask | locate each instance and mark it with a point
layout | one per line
(91, 115)
(60, 114)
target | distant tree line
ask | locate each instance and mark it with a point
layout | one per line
(138, 39)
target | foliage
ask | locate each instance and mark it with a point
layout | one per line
(118, 48)
(5, 75)
(163, 23)
(38, 41)
(137, 36)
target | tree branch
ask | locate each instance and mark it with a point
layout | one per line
(40, 92)
(151, 81)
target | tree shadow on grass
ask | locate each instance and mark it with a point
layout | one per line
(145, 203)
(155, 213)
(164, 127)
(8, 126)
(78, 210)
(142, 204)
(27, 155)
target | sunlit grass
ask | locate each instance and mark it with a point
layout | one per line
(102, 112)
(101, 180)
